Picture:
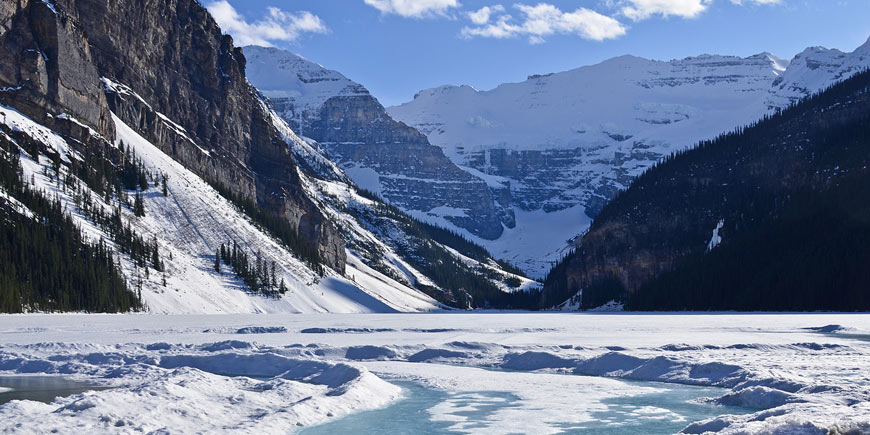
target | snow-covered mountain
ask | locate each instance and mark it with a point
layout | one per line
(558, 146)
(386, 157)
(85, 129)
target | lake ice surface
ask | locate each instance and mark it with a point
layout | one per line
(487, 372)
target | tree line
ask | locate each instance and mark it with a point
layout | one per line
(45, 262)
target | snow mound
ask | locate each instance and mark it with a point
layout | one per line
(185, 390)
(262, 330)
(827, 329)
(756, 397)
(360, 353)
(427, 355)
(790, 419)
(535, 361)
(344, 330)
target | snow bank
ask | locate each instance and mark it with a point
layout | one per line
(793, 419)
(756, 397)
(427, 355)
(262, 330)
(360, 353)
(225, 387)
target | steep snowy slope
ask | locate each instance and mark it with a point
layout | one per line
(189, 224)
(564, 143)
(297, 87)
(383, 238)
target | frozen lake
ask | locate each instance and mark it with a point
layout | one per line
(445, 373)
(41, 388)
(422, 410)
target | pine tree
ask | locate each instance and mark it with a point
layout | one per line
(274, 282)
(165, 189)
(217, 262)
(138, 206)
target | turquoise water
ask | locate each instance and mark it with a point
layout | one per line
(41, 388)
(665, 412)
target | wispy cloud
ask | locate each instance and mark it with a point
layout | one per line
(757, 2)
(542, 20)
(638, 10)
(482, 15)
(277, 26)
(414, 8)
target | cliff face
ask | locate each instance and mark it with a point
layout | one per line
(379, 153)
(46, 67)
(167, 71)
(412, 174)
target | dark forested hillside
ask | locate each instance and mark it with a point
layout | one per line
(791, 193)
(45, 263)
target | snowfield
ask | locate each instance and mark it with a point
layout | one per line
(789, 373)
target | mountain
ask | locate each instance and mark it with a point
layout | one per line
(141, 158)
(772, 216)
(381, 155)
(557, 147)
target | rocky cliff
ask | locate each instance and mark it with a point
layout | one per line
(377, 152)
(164, 68)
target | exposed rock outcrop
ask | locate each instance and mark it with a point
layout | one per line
(168, 72)
(379, 153)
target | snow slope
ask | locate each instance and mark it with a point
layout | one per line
(374, 239)
(195, 220)
(302, 84)
(190, 224)
(572, 139)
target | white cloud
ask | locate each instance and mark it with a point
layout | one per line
(482, 15)
(278, 25)
(642, 9)
(638, 10)
(414, 8)
(757, 2)
(544, 20)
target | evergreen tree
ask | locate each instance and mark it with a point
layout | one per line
(138, 206)
(217, 262)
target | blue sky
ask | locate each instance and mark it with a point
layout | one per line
(398, 47)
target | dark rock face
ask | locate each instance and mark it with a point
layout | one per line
(356, 131)
(163, 60)
(46, 66)
(556, 179)
(414, 175)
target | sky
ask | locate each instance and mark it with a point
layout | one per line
(396, 48)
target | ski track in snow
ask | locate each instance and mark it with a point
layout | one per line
(267, 373)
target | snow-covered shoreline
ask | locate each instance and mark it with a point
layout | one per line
(798, 371)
